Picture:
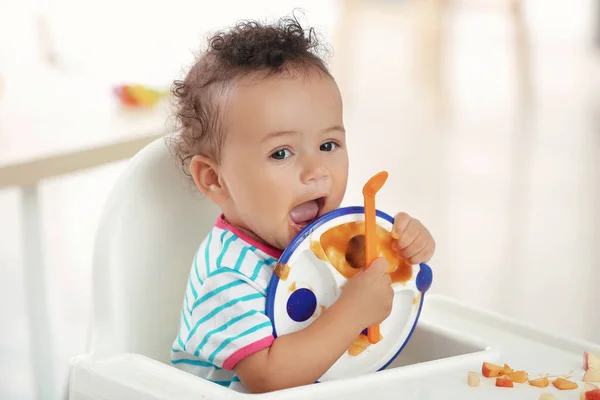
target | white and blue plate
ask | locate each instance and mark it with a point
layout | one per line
(295, 303)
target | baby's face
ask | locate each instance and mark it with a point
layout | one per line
(284, 161)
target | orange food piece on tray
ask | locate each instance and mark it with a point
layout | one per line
(505, 376)
(490, 370)
(564, 384)
(504, 382)
(518, 376)
(540, 382)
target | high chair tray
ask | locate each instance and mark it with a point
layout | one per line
(450, 340)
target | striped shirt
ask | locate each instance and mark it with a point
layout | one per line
(223, 316)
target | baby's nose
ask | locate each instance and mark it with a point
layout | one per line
(314, 170)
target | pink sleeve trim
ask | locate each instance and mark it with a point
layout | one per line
(222, 224)
(246, 351)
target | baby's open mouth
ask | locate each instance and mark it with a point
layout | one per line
(305, 213)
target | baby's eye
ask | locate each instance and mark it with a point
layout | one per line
(328, 146)
(281, 154)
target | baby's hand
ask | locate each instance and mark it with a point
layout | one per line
(369, 294)
(413, 241)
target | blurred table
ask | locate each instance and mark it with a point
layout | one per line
(53, 123)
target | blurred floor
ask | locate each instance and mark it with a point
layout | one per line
(490, 129)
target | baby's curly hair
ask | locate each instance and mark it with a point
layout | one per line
(249, 47)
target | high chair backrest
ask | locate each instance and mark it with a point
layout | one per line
(152, 224)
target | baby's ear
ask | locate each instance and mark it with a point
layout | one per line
(205, 173)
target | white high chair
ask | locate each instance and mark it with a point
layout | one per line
(152, 224)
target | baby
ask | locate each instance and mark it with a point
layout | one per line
(263, 137)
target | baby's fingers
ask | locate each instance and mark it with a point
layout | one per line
(401, 221)
(409, 235)
(414, 252)
(379, 266)
(425, 254)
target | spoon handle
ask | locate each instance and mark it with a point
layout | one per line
(369, 191)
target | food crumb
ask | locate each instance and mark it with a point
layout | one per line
(292, 287)
(417, 299)
(547, 396)
(282, 271)
(473, 379)
(540, 382)
(359, 345)
(319, 311)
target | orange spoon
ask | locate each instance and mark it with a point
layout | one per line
(369, 191)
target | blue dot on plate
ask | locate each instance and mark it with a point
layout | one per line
(301, 305)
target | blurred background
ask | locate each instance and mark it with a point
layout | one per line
(485, 113)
